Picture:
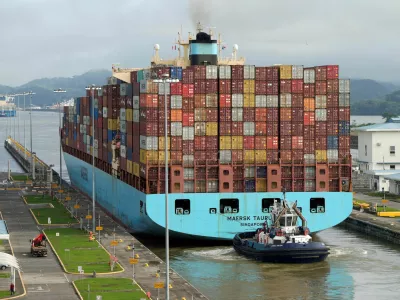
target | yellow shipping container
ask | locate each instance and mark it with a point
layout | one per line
(148, 156)
(249, 86)
(249, 156)
(136, 169)
(112, 124)
(129, 114)
(286, 72)
(249, 100)
(129, 166)
(66, 142)
(161, 156)
(225, 143)
(237, 142)
(261, 156)
(161, 143)
(212, 128)
(261, 185)
(320, 155)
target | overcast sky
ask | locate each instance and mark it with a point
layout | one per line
(52, 38)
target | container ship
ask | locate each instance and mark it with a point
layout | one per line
(7, 107)
(239, 137)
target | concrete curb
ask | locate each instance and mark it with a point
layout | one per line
(74, 273)
(76, 290)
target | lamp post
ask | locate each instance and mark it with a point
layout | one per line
(166, 80)
(24, 126)
(92, 90)
(59, 120)
(30, 119)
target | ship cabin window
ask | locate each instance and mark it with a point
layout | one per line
(226, 185)
(322, 172)
(177, 173)
(322, 184)
(274, 185)
(213, 211)
(267, 204)
(274, 172)
(226, 172)
(182, 207)
(229, 206)
(317, 205)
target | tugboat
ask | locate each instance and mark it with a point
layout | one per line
(283, 241)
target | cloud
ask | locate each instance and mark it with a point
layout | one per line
(50, 38)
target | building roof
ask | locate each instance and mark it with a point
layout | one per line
(380, 127)
(382, 172)
(395, 177)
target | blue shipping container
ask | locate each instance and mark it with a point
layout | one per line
(75, 135)
(129, 153)
(176, 73)
(123, 139)
(109, 157)
(78, 106)
(96, 114)
(262, 172)
(333, 142)
(344, 128)
(111, 134)
(250, 185)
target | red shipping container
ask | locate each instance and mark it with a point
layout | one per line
(199, 100)
(272, 114)
(285, 142)
(237, 72)
(297, 115)
(272, 73)
(297, 101)
(272, 87)
(225, 86)
(320, 87)
(133, 76)
(309, 118)
(237, 156)
(129, 102)
(285, 128)
(286, 86)
(161, 129)
(200, 157)
(332, 72)
(286, 157)
(199, 72)
(344, 142)
(149, 128)
(309, 146)
(176, 88)
(261, 142)
(122, 102)
(176, 157)
(200, 143)
(212, 114)
(272, 156)
(332, 114)
(344, 153)
(212, 156)
(332, 86)
(332, 128)
(136, 89)
(211, 86)
(176, 143)
(297, 86)
(188, 147)
(309, 132)
(187, 90)
(130, 141)
(237, 86)
(297, 142)
(237, 128)
(200, 86)
(135, 129)
(261, 73)
(286, 114)
(105, 134)
(344, 114)
(211, 142)
(161, 101)
(187, 75)
(261, 128)
(99, 123)
(298, 157)
(225, 128)
(272, 142)
(321, 143)
(261, 114)
(309, 90)
(161, 115)
(187, 119)
(129, 127)
(320, 73)
(248, 142)
(248, 114)
(260, 87)
(148, 114)
(297, 128)
(225, 100)
(225, 114)
(272, 128)
(332, 100)
(320, 128)
(188, 104)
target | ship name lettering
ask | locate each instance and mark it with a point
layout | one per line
(239, 218)
(260, 218)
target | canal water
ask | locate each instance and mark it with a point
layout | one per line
(359, 267)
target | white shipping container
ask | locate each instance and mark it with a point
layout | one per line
(176, 128)
(212, 100)
(96, 144)
(225, 72)
(211, 72)
(143, 86)
(200, 128)
(188, 133)
(344, 85)
(248, 128)
(237, 100)
(112, 80)
(188, 173)
(123, 151)
(261, 101)
(135, 102)
(96, 153)
(188, 186)
(100, 92)
(286, 100)
(176, 101)
(212, 186)
(136, 116)
(249, 172)
(88, 149)
(320, 114)
(297, 72)
(147, 74)
(225, 156)
(309, 75)
(122, 114)
(84, 129)
(78, 119)
(96, 103)
(148, 142)
(122, 126)
(237, 114)
(272, 100)
(249, 72)
(332, 155)
(320, 101)
(161, 90)
(105, 112)
(309, 158)
(188, 159)
(344, 100)
(123, 87)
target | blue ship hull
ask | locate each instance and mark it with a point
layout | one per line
(145, 214)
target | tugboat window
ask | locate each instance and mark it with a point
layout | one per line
(229, 206)
(267, 204)
(317, 205)
(182, 206)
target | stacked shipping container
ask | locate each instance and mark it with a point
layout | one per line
(230, 129)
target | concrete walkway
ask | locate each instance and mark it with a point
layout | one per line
(364, 197)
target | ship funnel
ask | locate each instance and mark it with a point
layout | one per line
(203, 50)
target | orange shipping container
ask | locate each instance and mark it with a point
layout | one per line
(297, 142)
(309, 104)
(176, 115)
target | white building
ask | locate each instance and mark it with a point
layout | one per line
(394, 183)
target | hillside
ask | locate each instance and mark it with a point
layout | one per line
(75, 86)
(367, 89)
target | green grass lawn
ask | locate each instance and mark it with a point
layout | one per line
(387, 195)
(36, 199)
(5, 275)
(110, 289)
(82, 252)
(59, 214)
(19, 177)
